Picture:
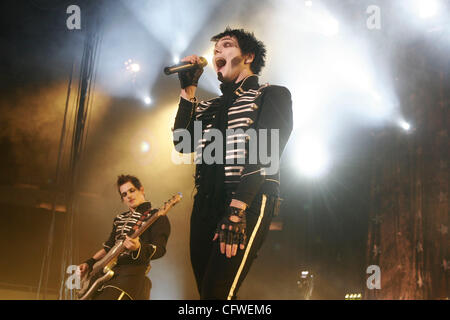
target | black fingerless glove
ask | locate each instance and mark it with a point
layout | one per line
(190, 77)
(233, 232)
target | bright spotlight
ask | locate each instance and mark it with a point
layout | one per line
(331, 27)
(312, 160)
(132, 66)
(147, 100)
(145, 146)
(176, 60)
(135, 67)
(209, 58)
(427, 8)
(328, 25)
(308, 3)
(405, 125)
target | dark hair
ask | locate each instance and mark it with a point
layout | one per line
(122, 179)
(248, 44)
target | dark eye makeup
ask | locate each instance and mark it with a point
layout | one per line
(131, 190)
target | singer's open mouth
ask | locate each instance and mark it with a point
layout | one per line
(220, 62)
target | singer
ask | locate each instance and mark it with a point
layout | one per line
(235, 202)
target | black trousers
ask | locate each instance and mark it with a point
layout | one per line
(217, 276)
(128, 283)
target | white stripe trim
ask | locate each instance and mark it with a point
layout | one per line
(249, 105)
(239, 111)
(249, 245)
(234, 168)
(247, 98)
(227, 174)
(238, 125)
(244, 119)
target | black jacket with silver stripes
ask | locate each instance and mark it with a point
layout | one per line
(253, 106)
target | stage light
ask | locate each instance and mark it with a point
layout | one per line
(134, 67)
(427, 8)
(312, 159)
(404, 125)
(209, 57)
(308, 3)
(145, 146)
(147, 100)
(330, 26)
(176, 60)
(353, 296)
(305, 285)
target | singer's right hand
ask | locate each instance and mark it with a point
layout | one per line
(189, 78)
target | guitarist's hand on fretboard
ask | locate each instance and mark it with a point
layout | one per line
(132, 244)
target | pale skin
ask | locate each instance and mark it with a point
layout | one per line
(231, 66)
(132, 197)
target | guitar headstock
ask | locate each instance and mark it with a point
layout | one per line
(170, 203)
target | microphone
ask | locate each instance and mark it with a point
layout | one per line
(183, 66)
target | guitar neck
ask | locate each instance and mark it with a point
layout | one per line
(146, 224)
(120, 247)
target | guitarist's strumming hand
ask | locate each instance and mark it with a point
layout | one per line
(87, 265)
(132, 244)
(84, 267)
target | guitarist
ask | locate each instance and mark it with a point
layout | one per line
(129, 280)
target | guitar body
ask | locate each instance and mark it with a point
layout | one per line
(102, 270)
(92, 284)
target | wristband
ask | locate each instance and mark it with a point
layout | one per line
(233, 211)
(90, 262)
